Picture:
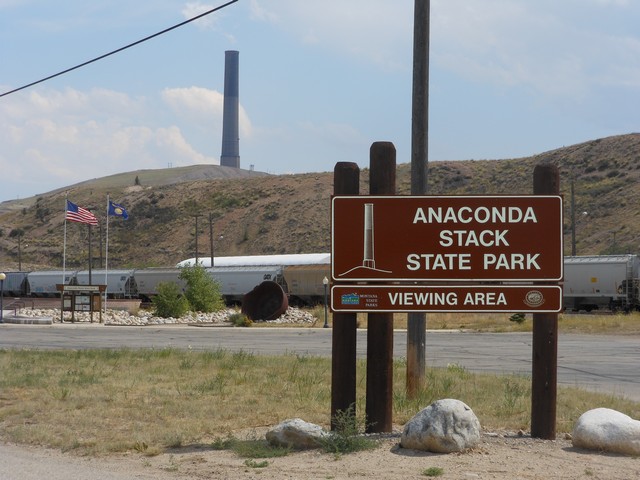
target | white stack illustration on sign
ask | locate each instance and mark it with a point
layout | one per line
(368, 250)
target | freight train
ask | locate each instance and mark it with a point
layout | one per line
(300, 276)
(610, 282)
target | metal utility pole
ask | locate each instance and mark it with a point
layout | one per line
(573, 219)
(196, 217)
(100, 229)
(211, 236)
(417, 321)
(20, 253)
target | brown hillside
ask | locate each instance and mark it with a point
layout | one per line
(265, 214)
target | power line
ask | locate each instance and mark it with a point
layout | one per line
(119, 49)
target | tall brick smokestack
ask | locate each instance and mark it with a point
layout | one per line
(230, 156)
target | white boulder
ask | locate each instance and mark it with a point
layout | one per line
(607, 430)
(297, 434)
(445, 426)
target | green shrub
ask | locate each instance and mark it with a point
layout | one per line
(433, 472)
(346, 436)
(517, 317)
(202, 292)
(169, 302)
(250, 448)
(240, 320)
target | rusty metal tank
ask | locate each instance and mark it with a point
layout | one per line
(266, 301)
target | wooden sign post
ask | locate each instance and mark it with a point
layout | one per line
(389, 253)
(544, 378)
(346, 181)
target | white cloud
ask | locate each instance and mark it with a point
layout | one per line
(550, 48)
(622, 56)
(573, 66)
(193, 9)
(171, 138)
(195, 100)
(203, 106)
(11, 3)
(374, 30)
(606, 3)
(61, 137)
(258, 12)
(544, 47)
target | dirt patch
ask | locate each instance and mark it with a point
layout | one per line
(499, 456)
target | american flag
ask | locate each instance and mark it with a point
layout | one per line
(80, 215)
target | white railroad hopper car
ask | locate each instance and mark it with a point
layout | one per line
(43, 284)
(305, 282)
(120, 283)
(601, 282)
(148, 279)
(15, 284)
(235, 282)
(261, 260)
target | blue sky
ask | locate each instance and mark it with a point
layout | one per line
(319, 82)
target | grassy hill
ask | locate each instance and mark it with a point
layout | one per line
(254, 213)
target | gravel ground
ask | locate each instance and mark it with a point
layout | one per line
(501, 456)
(144, 317)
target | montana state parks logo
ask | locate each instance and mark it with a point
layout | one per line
(534, 298)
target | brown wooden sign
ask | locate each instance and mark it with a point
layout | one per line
(448, 298)
(448, 238)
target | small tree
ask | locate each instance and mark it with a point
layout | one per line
(202, 292)
(170, 302)
(16, 233)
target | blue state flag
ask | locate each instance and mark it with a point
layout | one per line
(117, 210)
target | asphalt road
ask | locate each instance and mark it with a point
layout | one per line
(603, 363)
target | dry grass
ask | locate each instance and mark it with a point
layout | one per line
(102, 401)
(605, 323)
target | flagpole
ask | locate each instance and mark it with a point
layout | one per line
(90, 259)
(106, 260)
(64, 259)
(64, 248)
